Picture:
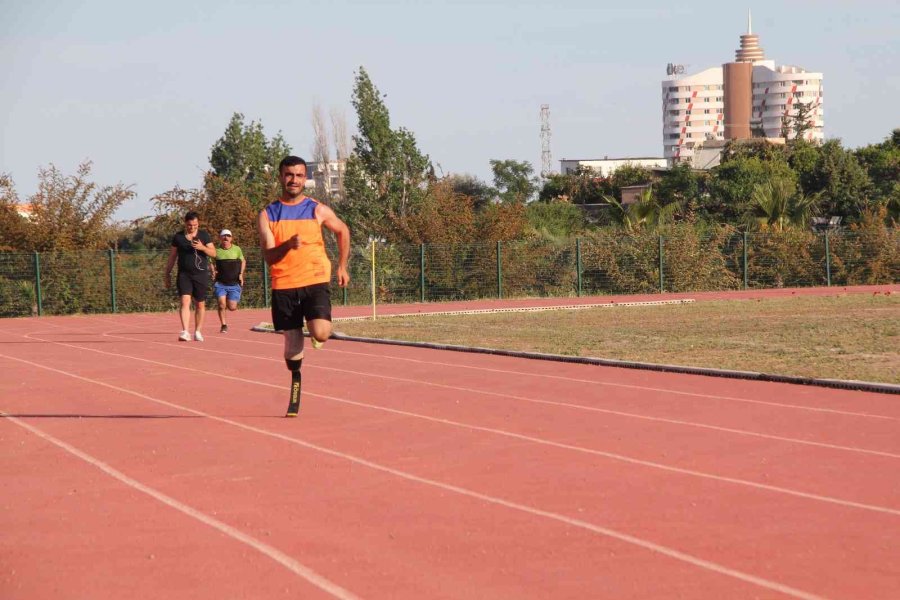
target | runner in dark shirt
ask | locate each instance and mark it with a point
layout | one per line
(191, 248)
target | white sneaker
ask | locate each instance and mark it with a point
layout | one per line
(184, 337)
(198, 337)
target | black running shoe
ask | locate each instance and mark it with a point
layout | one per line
(224, 329)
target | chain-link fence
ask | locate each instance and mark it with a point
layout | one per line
(682, 260)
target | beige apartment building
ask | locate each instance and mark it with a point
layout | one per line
(749, 97)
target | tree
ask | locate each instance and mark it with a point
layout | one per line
(627, 175)
(555, 220)
(882, 163)
(244, 155)
(647, 212)
(678, 184)
(795, 124)
(221, 204)
(321, 150)
(514, 180)
(67, 212)
(12, 225)
(330, 167)
(841, 181)
(468, 185)
(731, 186)
(777, 204)
(803, 119)
(386, 173)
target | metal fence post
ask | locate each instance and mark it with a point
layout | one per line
(746, 269)
(112, 280)
(37, 283)
(827, 260)
(661, 264)
(422, 272)
(499, 270)
(578, 265)
(374, 299)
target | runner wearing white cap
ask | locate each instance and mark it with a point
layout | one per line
(229, 275)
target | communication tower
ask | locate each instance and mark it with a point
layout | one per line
(546, 158)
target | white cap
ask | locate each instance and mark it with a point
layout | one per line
(224, 232)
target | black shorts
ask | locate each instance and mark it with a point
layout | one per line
(193, 284)
(290, 307)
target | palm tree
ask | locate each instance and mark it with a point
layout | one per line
(646, 212)
(777, 204)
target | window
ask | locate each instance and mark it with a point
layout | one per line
(720, 98)
(706, 111)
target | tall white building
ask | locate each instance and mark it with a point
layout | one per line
(693, 105)
(776, 93)
(692, 112)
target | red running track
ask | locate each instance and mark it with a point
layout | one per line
(135, 466)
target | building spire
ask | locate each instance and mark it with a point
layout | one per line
(749, 50)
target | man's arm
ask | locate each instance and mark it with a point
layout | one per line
(208, 248)
(271, 252)
(167, 277)
(342, 232)
(243, 268)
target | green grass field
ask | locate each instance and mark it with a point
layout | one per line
(842, 337)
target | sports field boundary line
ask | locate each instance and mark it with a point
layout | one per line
(516, 309)
(853, 385)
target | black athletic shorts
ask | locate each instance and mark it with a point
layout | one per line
(193, 284)
(290, 307)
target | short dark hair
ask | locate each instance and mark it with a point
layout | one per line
(290, 161)
(191, 215)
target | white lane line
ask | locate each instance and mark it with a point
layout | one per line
(626, 386)
(610, 455)
(278, 556)
(623, 537)
(588, 381)
(546, 402)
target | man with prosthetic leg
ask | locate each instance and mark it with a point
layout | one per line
(290, 234)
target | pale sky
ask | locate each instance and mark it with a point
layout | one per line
(144, 89)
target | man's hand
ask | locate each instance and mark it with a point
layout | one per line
(343, 277)
(241, 279)
(294, 241)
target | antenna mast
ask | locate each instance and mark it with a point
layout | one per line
(546, 159)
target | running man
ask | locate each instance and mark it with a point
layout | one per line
(290, 235)
(192, 249)
(229, 275)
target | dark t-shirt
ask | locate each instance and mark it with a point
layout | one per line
(190, 260)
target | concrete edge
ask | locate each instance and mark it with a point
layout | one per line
(863, 386)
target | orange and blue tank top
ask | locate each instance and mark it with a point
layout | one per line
(309, 264)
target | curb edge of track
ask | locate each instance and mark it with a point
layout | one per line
(865, 386)
(853, 385)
